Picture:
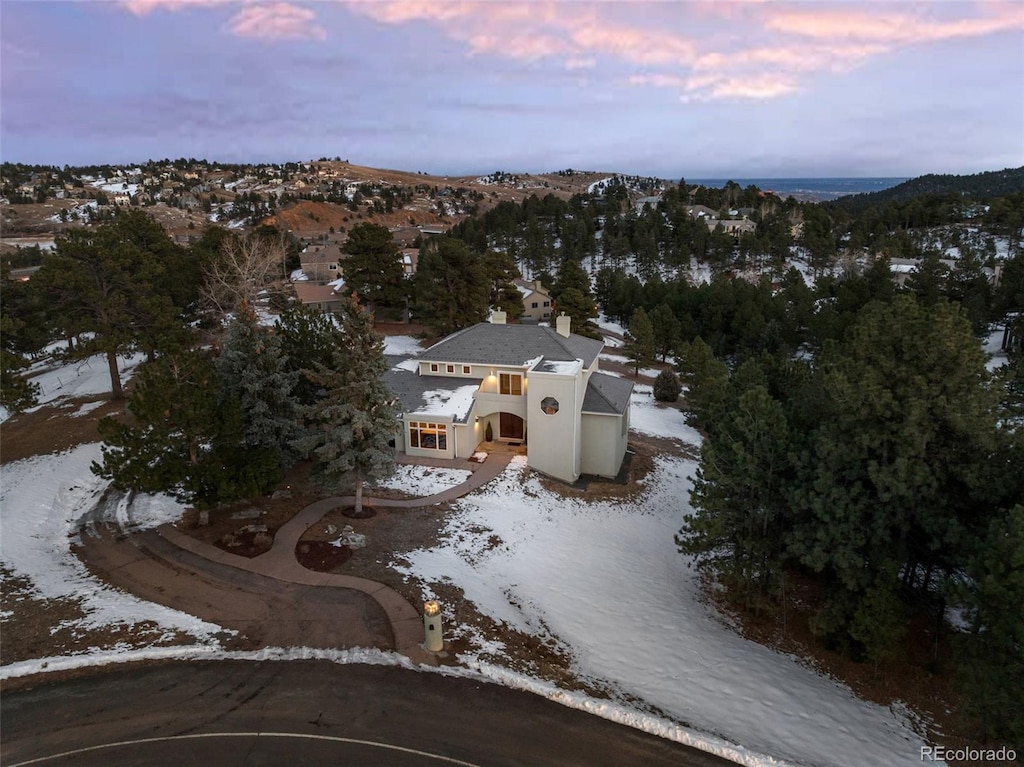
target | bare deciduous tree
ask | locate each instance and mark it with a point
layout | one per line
(245, 269)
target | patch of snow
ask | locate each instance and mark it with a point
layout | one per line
(43, 499)
(612, 342)
(648, 417)
(454, 402)
(298, 276)
(424, 480)
(411, 365)
(83, 378)
(630, 613)
(87, 408)
(401, 345)
(606, 324)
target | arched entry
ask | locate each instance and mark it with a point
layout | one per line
(511, 426)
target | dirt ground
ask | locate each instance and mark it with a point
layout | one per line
(53, 428)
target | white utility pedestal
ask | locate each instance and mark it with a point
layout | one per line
(432, 626)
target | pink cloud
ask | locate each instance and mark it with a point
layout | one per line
(276, 21)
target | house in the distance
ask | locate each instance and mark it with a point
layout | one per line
(532, 385)
(326, 298)
(320, 263)
(536, 300)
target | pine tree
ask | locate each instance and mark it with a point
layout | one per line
(351, 426)
(640, 340)
(254, 372)
(451, 286)
(185, 439)
(667, 387)
(667, 329)
(373, 266)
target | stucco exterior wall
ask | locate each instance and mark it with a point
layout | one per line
(554, 440)
(604, 444)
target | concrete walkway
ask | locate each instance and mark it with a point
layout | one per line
(280, 563)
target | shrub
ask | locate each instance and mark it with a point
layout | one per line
(667, 386)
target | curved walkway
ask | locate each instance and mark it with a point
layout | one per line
(280, 563)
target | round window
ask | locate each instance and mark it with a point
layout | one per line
(549, 405)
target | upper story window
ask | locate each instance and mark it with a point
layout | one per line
(534, 306)
(547, 303)
(510, 383)
(466, 370)
(449, 368)
(434, 367)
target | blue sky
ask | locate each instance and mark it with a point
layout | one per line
(715, 89)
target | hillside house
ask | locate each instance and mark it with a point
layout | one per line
(320, 263)
(532, 385)
(536, 300)
(326, 298)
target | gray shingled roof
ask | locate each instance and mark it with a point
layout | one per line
(607, 394)
(410, 387)
(488, 344)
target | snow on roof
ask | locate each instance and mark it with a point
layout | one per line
(298, 276)
(411, 365)
(454, 402)
(560, 367)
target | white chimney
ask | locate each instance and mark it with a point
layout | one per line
(497, 317)
(562, 324)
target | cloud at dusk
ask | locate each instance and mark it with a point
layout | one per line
(715, 66)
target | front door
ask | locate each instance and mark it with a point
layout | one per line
(510, 426)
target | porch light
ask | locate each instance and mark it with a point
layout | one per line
(433, 607)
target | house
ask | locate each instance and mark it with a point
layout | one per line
(320, 263)
(326, 298)
(735, 227)
(645, 202)
(410, 257)
(536, 300)
(532, 385)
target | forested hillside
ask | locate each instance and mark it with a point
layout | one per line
(978, 186)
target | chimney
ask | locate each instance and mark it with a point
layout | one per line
(497, 317)
(562, 324)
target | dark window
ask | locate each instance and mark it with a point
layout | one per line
(549, 405)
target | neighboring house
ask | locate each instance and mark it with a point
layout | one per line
(644, 202)
(320, 263)
(410, 257)
(902, 268)
(534, 385)
(732, 226)
(701, 211)
(326, 298)
(536, 300)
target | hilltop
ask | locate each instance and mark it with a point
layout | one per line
(977, 186)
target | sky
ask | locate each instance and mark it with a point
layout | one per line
(752, 89)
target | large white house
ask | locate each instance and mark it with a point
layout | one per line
(532, 385)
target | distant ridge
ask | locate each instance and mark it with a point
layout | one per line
(978, 186)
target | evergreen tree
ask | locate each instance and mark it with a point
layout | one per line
(112, 282)
(373, 266)
(351, 426)
(571, 296)
(309, 338)
(502, 273)
(451, 286)
(184, 438)
(254, 373)
(640, 341)
(667, 329)
(738, 526)
(667, 387)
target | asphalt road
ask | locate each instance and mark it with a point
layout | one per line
(229, 713)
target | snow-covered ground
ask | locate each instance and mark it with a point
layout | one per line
(605, 581)
(424, 480)
(993, 348)
(83, 378)
(42, 499)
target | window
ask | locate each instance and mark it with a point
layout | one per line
(547, 303)
(449, 368)
(510, 383)
(534, 305)
(549, 405)
(433, 367)
(332, 267)
(466, 370)
(429, 436)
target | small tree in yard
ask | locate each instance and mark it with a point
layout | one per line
(640, 340)
(667, 387)
(350, 426)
